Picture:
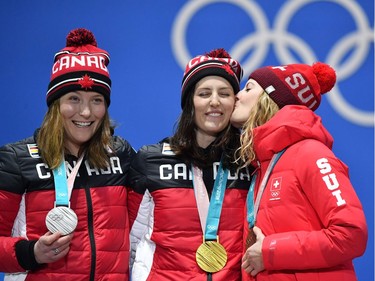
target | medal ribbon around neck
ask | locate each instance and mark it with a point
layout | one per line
(211, 256)
(62, 218)
(252, 209)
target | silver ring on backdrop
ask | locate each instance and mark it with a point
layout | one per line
(284, 41)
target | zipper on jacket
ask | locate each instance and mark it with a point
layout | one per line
(90, 224)
(209, 276)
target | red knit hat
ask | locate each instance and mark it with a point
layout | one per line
(217, 62)
(299, 84)
(80, 66)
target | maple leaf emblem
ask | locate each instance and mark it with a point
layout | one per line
(228, 69)
(86, 82)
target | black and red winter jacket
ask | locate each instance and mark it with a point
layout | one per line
(100, 246)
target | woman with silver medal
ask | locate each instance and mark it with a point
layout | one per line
(62, 191)
(188, 223)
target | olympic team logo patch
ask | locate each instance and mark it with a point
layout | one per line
(33, 150)
(276, 188)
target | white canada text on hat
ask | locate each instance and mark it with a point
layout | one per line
(84, 60)
(233, 63)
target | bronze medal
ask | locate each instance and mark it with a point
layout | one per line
(211, 256)
(61, 219)
(251, 238)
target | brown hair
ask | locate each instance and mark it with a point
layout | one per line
(184, 142)
(264, 110)
(50, 140)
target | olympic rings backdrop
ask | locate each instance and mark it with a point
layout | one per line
(151, 41)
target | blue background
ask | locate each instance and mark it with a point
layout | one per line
(149, 43)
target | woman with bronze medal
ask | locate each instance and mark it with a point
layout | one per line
(62, 191)
(304, 219)
(188, 220)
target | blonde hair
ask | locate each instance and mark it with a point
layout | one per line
(264, 110)
(51, 136)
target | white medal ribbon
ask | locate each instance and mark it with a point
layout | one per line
(201, 196)
(62, 218)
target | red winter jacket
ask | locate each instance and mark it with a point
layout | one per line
(100, 246)
(167, 231)
(312, 218)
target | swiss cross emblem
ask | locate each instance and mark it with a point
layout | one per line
(276, 184)
(275, 188)
(86, 82)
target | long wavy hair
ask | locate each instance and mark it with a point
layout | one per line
(51, 137)
(185, 145)
(264, 110)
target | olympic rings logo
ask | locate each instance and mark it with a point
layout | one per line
(275, 193)
(211, 227)
(360, 41)
(56, 217)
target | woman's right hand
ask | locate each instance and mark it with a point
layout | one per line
(52, 247)
(252, 261)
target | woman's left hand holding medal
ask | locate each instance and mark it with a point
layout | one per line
(52, 247)
(252, 261)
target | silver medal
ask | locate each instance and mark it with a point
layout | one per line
(61, 219)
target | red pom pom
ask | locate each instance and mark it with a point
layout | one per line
(218, 53)
(326, 76)
(80, 37)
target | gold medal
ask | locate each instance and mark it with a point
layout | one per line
(251, 238)
(211, 256)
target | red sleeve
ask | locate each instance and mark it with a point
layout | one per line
(10, 203)
(342, 233)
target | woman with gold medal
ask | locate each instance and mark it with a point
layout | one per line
(188, 200)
